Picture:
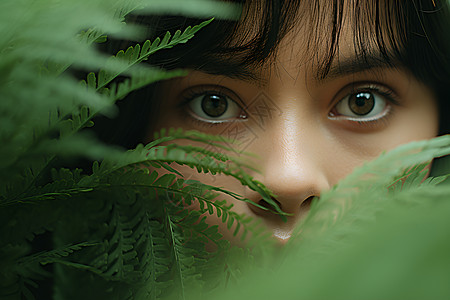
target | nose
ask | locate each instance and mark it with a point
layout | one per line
(295, 184)
(295, 177)
(294, 169)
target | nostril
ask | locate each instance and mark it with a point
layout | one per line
(265, 204)
(307, 202)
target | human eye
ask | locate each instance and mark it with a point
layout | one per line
(213, 104)
(364, 103)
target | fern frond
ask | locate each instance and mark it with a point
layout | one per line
(208, 161)
(82, 118)
(199, 158)
(195, 159)
(194, 223)
(26, 188)
(182, 192)
(55, 255)
(153, 248)
(186, 278)
(173, 154)
(135, 55)
(132, 250)
(188, 243)
(121, 255)
(139, 80)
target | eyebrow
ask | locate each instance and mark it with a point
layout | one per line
(227, 68)
(357, 64)
(344, 67)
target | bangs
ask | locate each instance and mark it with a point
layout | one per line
(388, 32)
(376, 29)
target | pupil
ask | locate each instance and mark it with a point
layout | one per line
(214, 105)
(362, 103)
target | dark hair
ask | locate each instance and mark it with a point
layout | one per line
(414, 34)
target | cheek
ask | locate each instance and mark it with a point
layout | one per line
(352, 150)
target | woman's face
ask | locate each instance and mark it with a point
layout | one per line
(308, 133)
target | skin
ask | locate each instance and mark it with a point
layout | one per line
(305, 139)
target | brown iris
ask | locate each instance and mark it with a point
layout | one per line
(214, 105)
(361, 103)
